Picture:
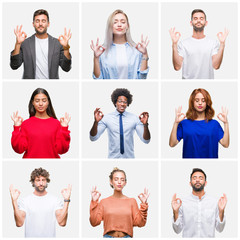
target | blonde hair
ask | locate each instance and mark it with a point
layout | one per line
(109, 31)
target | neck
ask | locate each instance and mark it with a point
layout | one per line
(41, 36)
(118, 194)
(198, 35)
(40, 194)
(119, 39)
(41, 115)
(201, 116)
(199, 194)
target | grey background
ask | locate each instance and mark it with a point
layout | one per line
(98, 94)
(219, 16)
(139, 175)
(61, 15)
(61, 173)
(177, 94)
(222, 177)
(64, 97)
(143, 19)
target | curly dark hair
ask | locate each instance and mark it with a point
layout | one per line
(121, 92)
(114, 171)
(37, 172)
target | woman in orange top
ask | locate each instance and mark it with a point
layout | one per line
(118, 212)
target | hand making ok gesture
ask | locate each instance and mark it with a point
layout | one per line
(17, 119)
(65, 120)
(179, 116)
(97, 49)
(66, 192)
(144, 196)
(20, 35)
(142, 46)
(64, 39)
(175, 36)
(95, 194)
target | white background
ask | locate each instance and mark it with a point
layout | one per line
(16, 96)
(61, 15)
(96, 94)
(61, 173)
(177, 94)
(221, 178)
(143, 19)
(140, 175)
(219, 16)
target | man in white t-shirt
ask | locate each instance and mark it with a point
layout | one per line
(198, 55)
(41, 53)
(40, 210)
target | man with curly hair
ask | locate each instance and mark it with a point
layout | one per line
(40, 210)
(121, 126)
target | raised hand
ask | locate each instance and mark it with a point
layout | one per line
(20, 35)
(222, 36)
(223, 115)
(17, 119)
(142, 46)
(176, 203)
(65, 120)
(66, 192)
(222, 203)
(144, 196)
(97, 49)
(95, 194)
(144, 117)
(14, 193)
(98, 115)
(64, 39)
(179, 115)
(175, 36)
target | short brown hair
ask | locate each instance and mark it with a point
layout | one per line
(209, 111)
(114, 171)
(196, 11)
(37, 172)
(40, 12)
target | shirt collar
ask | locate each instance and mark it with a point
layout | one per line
(117, 113)
(126, 44)
(197, 198)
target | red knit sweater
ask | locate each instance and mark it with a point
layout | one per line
(40, 138)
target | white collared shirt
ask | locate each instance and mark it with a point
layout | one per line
(198, 217)
(130, 123)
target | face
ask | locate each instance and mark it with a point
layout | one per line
(40, 103)
(198, 182)
(198, 21)
(119, 181)
(41, 24)
(40, 184)
(120, 25)
(199, 103)
(121, 104)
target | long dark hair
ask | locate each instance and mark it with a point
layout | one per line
(31, 109)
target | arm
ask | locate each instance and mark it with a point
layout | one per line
(173, 140)
(19, 138)
(62, 214)
(146, 136)
(176, 58)
(98, 127)
(19, 215)
(65, 56)
(220, 219)
(177, 214)
(217, 58)
(223, 117)
(63, 135)
(98, 51)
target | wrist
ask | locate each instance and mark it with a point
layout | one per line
(145, 124)
(66, 47)
(67, 200)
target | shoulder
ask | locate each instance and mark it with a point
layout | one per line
(185, 122)
(28, 40)
(131, 115)
(214, 122)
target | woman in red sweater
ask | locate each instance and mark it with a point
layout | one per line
(42, 135)
(118, 212)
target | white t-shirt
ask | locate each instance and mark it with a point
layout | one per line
(41, 47)
(197, 57)
(40, 218)
(122, 61)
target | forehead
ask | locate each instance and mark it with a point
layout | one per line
(199, 95)
(40, 178)
(199, 15)
(198, 174)
(119, 16)
(40, 96)
(122, 98)
(40, 17)
(118, 175)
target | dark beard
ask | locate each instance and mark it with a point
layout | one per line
(38, 190)
(40, 33)
(198, 29)
(198, 189)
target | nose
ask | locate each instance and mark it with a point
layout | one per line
(119, 24)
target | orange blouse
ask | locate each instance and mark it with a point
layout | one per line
(118, 214)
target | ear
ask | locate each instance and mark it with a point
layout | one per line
(205, 183)
(110, 181)
(191, 23)
(48, 24)
(206, 23)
